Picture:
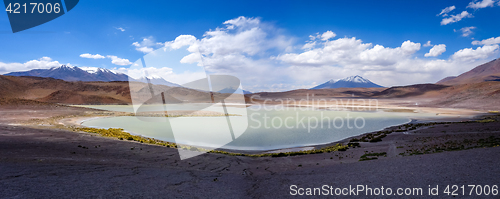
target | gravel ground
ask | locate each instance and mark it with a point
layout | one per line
(43, 163)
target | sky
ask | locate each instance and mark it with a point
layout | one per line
(268, 45)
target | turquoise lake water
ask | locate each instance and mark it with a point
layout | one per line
(256, 128)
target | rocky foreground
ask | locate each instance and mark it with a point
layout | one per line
(42, 162)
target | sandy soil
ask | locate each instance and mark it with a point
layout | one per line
(387, 105)
(41, 162)
(22, 114)
(78, 120)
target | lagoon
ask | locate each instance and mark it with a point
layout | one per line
(259, 129)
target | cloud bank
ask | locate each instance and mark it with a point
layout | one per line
(267, 60)
(490, 41)
(90, 56)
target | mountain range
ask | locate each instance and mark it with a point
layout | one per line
(348, 82)
(73, 73)
(89, 74)
(488, 72)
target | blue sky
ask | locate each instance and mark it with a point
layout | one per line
(110, 28)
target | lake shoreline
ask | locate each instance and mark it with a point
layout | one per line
(43, 161)
(77, 122)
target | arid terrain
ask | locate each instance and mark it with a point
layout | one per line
(41, 162)
(43, 155)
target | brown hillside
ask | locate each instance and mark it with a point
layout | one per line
(446, 79)
(59, 91)
(321, 93)
(72, 97)
(484, 95)
(408, 91)
(487, 72)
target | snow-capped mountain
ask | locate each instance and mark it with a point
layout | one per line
(94, 70)
(154, 79)
(348, 82)
(73, 73)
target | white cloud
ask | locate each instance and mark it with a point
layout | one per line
(409, 47)
(90, 56)
(241, 48)
(456, 18)
(350, 50)
(119, 61)
(181, 41)
(243, 36)
(445, 11)
(489, 41)
(469, 54)
(384, 65)
(146, 45)
(242, 22)
(309, 45)
(436, 51)
(144, 49)
(466, 31)
(137, 73)
(42, 63)
(314, 37)
(327, 35)
(428, 44)
(481, 4)
(120, 29)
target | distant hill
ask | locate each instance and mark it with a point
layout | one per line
(157, 80)
(320, 93)
(446, 79)
(408, 91)
(52, 90)
(59, 91)
(348, 82)
(487, 72)
(481, 96)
